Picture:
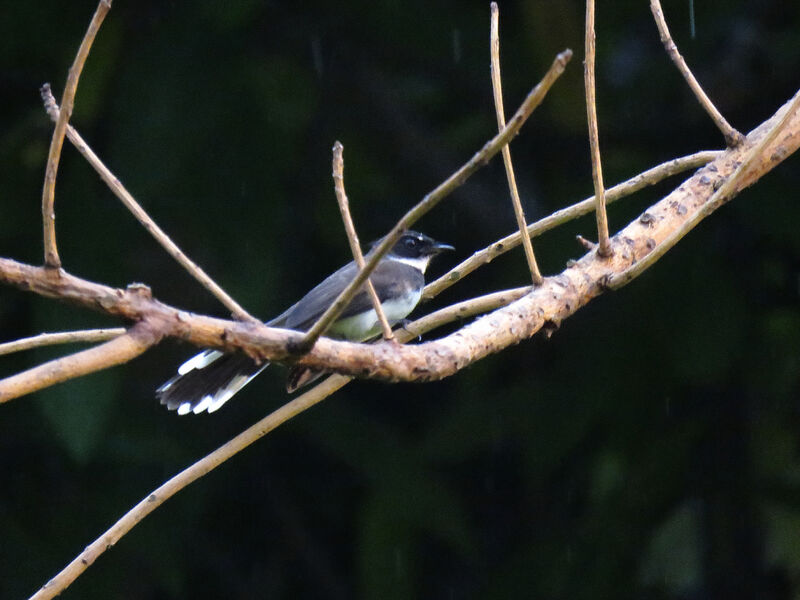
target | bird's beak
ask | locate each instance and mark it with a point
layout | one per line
(440, 247)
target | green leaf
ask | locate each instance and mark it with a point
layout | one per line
(673, 557)
(77, 412)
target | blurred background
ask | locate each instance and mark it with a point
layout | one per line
(649, 449)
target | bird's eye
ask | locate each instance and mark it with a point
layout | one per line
(411, 243)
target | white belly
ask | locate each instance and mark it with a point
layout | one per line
(364, 326)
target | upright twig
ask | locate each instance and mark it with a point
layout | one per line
(139, 213)
(352, 236)
(732, 136)
(441, 191)
(51, 258)
(603, 244)
(61, 337)
(722, 195)
(497, 89)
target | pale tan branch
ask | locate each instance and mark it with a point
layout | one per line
(497, 89)
(437, 195)
(732, 136)
(139, 213)
(352, 236)
(51, 258)
(462, 310)
(722, 195)
(603, 245)
(650, 177)
(135, 303)
(119, 350)
(61, 337)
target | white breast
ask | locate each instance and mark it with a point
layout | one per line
(364, 326)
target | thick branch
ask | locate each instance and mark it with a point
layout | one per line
(135, 303)
(119, 350)
(720, 197)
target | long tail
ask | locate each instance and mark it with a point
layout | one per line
(207, 381)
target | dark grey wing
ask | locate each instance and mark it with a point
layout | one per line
(390, 280)
(303, 314)
(395, 280)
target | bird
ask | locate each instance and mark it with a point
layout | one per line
(206, 381)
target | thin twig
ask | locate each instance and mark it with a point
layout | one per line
(604, 246)
(51, 258)
(732, 137)
(497, 89)
(587, 244)
(722, 195)
(433, 198)
(632, 185)
(352, 236)
(464, 310)
(62, 337)
(119, 350)
(168, 489)
(139, 213)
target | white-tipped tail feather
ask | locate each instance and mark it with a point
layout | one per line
(207, 381)
(205, 358)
